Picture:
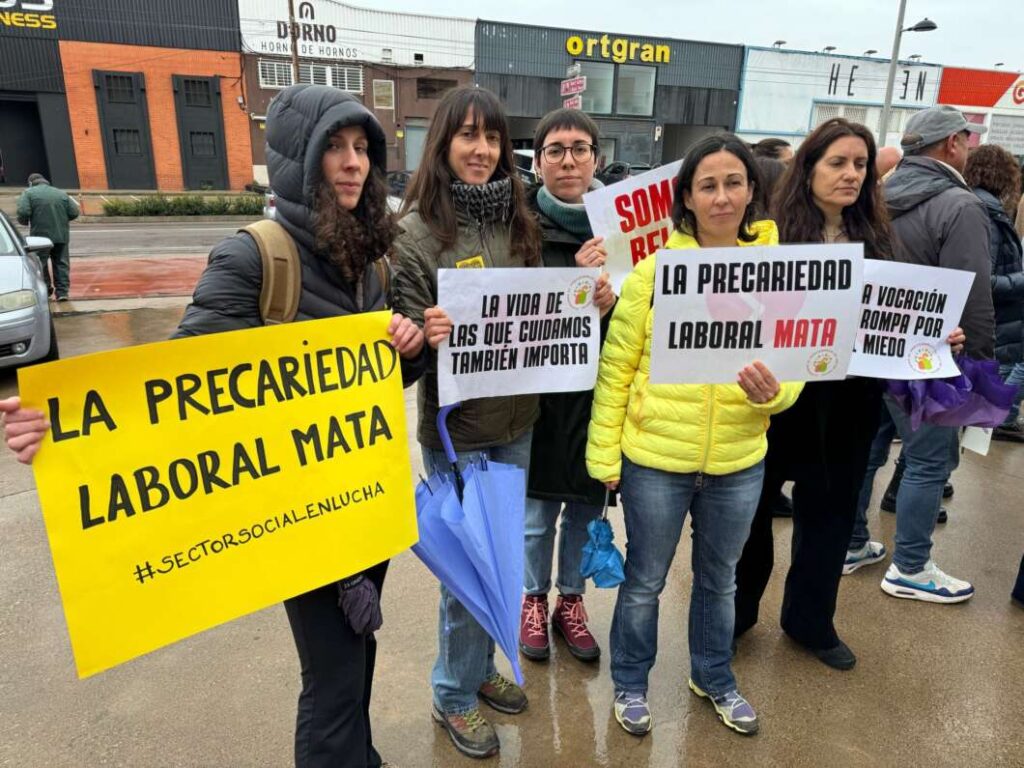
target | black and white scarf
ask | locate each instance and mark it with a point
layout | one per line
(488, 203)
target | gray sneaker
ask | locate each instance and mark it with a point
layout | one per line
(469, 732)
(503, 695)
(733, 710)
(633, 712)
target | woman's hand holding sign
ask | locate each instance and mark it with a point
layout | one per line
(436, 326)
(956, 340)
(604, 296)
(23, 429)
(406, 337)
(758, 383)
(592, 253)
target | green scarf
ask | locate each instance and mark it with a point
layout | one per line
(570, 217)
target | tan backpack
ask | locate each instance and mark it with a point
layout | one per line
(282, 272)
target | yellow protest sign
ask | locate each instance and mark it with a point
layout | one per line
(189, 482)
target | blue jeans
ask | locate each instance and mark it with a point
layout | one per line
(1013, 374)
(655, 504)
(541, 520)
(465, 652)
(876, 459)
(931, 454)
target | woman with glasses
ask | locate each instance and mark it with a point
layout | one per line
(565, 157)
(684, 448)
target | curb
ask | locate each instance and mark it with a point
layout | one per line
(165, 219)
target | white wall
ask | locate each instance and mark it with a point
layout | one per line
(787, 93)
(349, 33)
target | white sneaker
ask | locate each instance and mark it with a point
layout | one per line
(930, 585)
(870, 553)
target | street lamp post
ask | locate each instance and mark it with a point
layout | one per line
(925, 25)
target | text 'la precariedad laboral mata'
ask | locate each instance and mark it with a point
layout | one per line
(189, 482)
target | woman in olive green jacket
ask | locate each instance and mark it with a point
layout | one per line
(466, 209)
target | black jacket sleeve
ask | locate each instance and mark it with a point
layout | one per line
(227, 296)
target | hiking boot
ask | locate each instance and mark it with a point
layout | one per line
(469, 732)
(872, 552)
(503, 695)
(570, 621)
(930, 585)
(733, 710)
(782, 506)
(1011, 433)
(633, 713)
(533, 628)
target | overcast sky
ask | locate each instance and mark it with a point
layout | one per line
(971, 33)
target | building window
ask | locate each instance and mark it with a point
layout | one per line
(386, 55)
(275, 74)
(120, 89)
(278, 74)
(347, 78)
(315, 74)
(127, 141)
(600, 93)
(432, 87)
(197, 93)
(202, 144)
(635, 90)
(417, 58)
(383, 94)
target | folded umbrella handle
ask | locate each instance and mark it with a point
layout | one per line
(442, 430)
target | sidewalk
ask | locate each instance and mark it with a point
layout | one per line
(100, 284)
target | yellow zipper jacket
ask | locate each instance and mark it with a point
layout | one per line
(710, 428)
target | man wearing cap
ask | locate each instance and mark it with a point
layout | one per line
(48, 210)
(938, 222)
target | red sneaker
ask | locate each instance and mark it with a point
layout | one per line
(533, 628)
(570, 620)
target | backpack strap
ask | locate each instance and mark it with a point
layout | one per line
(282, 271)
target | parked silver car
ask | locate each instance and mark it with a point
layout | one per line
(26, 327)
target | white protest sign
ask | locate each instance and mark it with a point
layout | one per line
(908, 311)
(793, 307)
(634, 216)
(517, 331)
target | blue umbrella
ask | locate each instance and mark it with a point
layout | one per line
(602, 561)
(471, 526)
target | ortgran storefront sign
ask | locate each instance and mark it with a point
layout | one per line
(19, 14)
(618, 49)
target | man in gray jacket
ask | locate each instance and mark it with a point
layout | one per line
(938, 222)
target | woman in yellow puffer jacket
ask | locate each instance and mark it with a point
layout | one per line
(684, 448)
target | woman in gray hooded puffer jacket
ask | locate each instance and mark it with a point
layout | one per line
(326, 157)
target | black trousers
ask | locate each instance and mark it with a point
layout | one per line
(333, 725)
(822, 444)
(59, 259)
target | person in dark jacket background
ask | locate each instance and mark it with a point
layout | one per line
(565, 155)
(938, 222)
(47, 210)
(326, 157)
(994, 175)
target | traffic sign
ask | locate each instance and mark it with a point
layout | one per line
(574, 85)
(573, 70)
(573, 102)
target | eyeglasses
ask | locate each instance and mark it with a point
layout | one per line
(554, 153)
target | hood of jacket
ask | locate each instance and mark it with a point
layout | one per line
(299, 122)
(917, 180)
(992, 205)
